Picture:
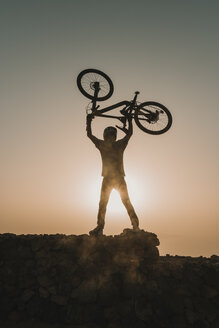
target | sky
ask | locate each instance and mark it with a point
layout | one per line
(51, 172)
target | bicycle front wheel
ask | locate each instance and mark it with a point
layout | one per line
(153, 118)
(86, 82)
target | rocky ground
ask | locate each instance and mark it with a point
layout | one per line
(121, 281)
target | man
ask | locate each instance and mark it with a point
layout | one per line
(112, 171)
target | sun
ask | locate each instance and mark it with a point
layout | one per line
(115, 205)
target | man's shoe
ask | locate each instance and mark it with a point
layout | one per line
(98, 231)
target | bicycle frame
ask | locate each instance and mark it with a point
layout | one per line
(129, 106)
(125, 103)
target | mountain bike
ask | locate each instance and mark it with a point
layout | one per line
(151, 117)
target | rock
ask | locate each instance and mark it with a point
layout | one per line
(75, 314)
(148, 238)
(114, 325)
(43, 292)
(191, 316)
(107, 295)
(27, 295)
(138, 246)
(52, 290)
(121, 281)
(215, 323)
(209, 292)
(143, 309)
(59, 299)
(214, 258)
(15, 317)
(86, 292)
(111, 315)
(44, 280)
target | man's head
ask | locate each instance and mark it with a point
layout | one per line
(110, 134)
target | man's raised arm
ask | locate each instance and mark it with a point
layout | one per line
(95, 140)
(128, 131)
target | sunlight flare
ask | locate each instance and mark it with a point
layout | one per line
(138, 195)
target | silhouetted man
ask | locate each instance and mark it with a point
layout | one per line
(112, 171)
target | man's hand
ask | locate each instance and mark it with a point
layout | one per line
(122, 129)
(124, 121)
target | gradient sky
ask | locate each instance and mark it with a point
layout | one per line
(50, 171)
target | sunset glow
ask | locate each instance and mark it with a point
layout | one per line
(138, 196)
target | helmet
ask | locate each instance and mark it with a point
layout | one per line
(110, 131)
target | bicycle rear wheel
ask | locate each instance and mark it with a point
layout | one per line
(153, 118)
(86, 81)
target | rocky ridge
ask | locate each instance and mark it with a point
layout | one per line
(109, 281)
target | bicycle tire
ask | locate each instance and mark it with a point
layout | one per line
(86, 79)
(161, 125)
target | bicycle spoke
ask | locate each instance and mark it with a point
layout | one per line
(93, 77)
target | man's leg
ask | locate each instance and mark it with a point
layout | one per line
(104, 197)
(122, 188)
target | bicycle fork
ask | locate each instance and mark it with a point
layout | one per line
(96, 87)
